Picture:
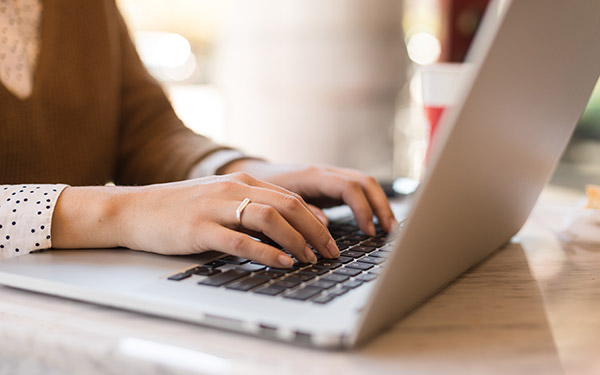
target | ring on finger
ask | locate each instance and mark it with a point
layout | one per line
(240, 209)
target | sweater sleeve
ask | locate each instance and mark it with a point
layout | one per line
(154, 144)
(25, 217)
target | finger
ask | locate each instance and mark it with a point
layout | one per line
(376, 197)
(351, 193)
(292, 207)
(267, 220)
(266, 185)
(319, 214)
(239, 244)
(296, 212)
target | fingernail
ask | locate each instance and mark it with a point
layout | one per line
(310, 255)
(285, 261)
(333, 250)
(371, 229)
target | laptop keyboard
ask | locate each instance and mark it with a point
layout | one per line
(361, 260)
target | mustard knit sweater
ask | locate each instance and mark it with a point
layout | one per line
(95, 115)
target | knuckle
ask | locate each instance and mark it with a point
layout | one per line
(297, 196)
(371, 181)
(291, 203)
(354, 186)
(267, 213)
(237, 243)
(243, 177)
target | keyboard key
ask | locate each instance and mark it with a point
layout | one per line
(379, 254)
(224, 278)
(204, 271)
(304, 276)
(336, 278)
(360, 265)
(323, 298)
(363, 248)
(372, 260)
(270, 290)
(314, 271)
(353, 254)
(304, 293)
(327, 264)
(295, 267)
(248, 283)
(338, 291)
(214, 264)
(376, 242)
(298, 265)
(341, 259)
(352, 284)
(287, 283)
(232, 259)
(356, 237)
(271, 274)
(338, 230)
(323, 284)
(252, 267)
(366, 277)
(347, 272)
(180, 276)
(343, 244)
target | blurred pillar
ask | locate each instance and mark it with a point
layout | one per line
(311, 81)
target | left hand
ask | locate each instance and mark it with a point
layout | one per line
(325, 187)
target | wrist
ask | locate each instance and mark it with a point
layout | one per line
(88, 217)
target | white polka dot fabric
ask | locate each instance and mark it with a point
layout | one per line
(19, 44)
(25, 217)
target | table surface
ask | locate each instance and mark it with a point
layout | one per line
(531, 308)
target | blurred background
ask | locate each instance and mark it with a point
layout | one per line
(307, 81)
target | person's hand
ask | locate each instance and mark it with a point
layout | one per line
(193, 216)
(325, 187)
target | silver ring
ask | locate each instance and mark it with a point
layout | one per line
(240, 209)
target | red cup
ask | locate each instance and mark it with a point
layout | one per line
(439, 83)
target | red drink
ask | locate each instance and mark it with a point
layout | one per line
(439, 82)
(433, 114)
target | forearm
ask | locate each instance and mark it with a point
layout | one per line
(88, 217)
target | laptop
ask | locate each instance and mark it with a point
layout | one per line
(534, 65)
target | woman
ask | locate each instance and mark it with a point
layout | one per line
(78, 110)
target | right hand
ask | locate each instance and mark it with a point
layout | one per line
(198, 215)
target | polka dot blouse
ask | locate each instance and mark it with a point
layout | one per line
(25, 218)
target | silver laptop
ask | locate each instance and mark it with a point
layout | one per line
(535, 63)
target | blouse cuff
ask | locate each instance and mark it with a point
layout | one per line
(26, 217)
